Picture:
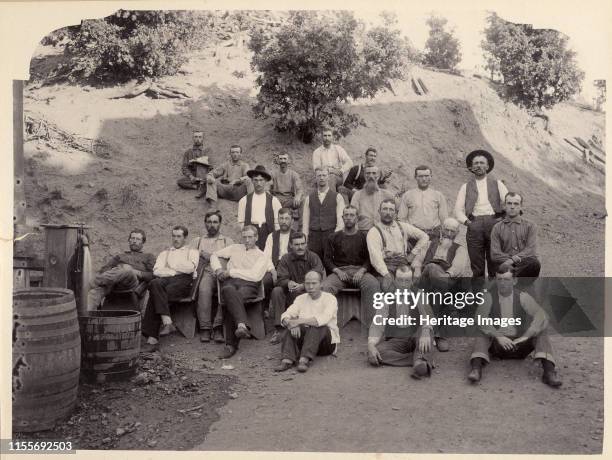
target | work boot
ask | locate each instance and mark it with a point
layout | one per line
(420, 369)
(550, 376)
(205, 336)
(475, 375)
(303, 365)
(201, 191)
(227, 352)
(276, 338)
(218, 335)
(167, 329)
(242, 332)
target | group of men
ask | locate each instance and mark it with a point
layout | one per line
(351, 232)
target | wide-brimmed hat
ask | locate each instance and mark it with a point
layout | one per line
(203, 160)
(260, 170)
(480, 153)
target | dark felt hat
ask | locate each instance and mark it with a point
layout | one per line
(259, 170)
(480, 153)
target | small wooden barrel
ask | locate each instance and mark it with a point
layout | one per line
(111, 343)
(46, 357)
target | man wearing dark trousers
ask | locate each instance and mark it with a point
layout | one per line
(311, 326)
(240, 282)
(291, 271)
(194, 175)
(479, 206)
(175, 269)
(322, 213)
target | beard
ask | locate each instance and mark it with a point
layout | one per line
(371, 187)
(212, 231)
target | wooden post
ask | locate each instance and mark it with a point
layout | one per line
(19, 198)
(61, 242)
(21, 272)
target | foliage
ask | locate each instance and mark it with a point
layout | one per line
(315, 63)
(600, 87)
(538, 69)
(442, 49)
(134, 44)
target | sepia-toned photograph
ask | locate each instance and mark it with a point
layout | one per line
(293, 230)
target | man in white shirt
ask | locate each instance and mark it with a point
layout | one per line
(311, 326)
(259, 208)
(240, 280)
(322, 213)
(175, 269)
(479, 206)
(334, 158)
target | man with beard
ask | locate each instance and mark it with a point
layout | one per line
(514, 242)
(194, 175)
(334, 158)
(124, 271)
(228, 181)
(291, 270)
(367, 200)
(206, 245)
(516, 339)
(355, 178)
(479, 207)
(259, 208)
(446, 267)
(287, 186)
(322, 213)
(423, 207)
(347, 260)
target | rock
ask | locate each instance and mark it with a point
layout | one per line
(233, 395)
(90, 185)
(395, 408)
(227, 367)
(137, 424)
(152, 443)
(120, 431)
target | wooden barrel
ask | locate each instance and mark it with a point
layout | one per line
(111, 343)
(46, 357)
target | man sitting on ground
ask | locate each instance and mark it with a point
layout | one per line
(124, 271)
(194, 171)
(311, 326)
(228, 181)
(505, 304)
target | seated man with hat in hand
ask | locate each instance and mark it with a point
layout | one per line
(194, 166)
(311, 326)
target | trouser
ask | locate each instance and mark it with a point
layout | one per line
(478, 239)
(206, 293)
(368, 285)
(317, 239)
(313, 341)
(403, 351)
(268, 284)
(280, 299)
(527, 270)
(231, 192)
(161, 290)
(234, 293)
(185, 182)
(484, 346)
(117, 278)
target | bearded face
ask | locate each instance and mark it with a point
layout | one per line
(371, 186)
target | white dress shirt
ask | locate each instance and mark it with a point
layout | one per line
(482, 206)
(258, 210)
(248, 265)
(173, 261)
(283, 243)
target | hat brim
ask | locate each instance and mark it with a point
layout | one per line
(253, 172)
(480, 153)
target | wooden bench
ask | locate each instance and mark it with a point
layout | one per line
(349, 307)
(184, 310)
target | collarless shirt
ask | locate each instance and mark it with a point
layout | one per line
(482, 206)
(258, 209)
(334, 157)
(243, 263)
(425, 209)
(367, 207)
(174, 261)
(324, 310)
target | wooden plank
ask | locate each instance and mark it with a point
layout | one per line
(415, 88)
(19, 208)
(596, 147)
(425, 90)
(582, 144)
(60, 247)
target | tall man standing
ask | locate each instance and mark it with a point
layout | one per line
(193, 175)
(175, 269)
(423, 207)
(287, 186)
(514, 242)
(259, 208)
(212, 241)
(367, 200)
(479, 207)
(334, 158)
(322, 213)
(229, 180)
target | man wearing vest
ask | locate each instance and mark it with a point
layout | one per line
(287, 186)
(523, 333)
(446, 267)
(355, 179)
(423, 207)
(391, 254)
(333, 158)
(367, 200)
(259, 208)
(514, 242)
(479, 207)
(194, 172)
(206, 245)
(348, 262)
(291, 270)
(277, 245)
(322, 213)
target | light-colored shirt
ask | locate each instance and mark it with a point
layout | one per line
(482, 206)
(258, 210)
(460, 267)
(231, 171)
(287, 183)
(395, 244)
(283, 243)
(210, 245)
(321, 195)
(425, 209)
(324, 310)
(173, 261)
(334, 158)
(248, 265)
(368, 205)
(539, 319)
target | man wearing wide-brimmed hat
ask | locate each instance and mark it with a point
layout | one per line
(479, 206)
(259, 208)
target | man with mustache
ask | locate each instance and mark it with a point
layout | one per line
(355, 178)
(229, 180)
(333, 158)
(367, 200)
(194, 171)
(287, 186)
(479, 206)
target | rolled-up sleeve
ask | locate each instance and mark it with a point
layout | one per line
(375, 249)
(417, 234)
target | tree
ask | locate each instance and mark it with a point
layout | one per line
(600, 100)
(316, 63)
(442, 49)
(538, 68)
